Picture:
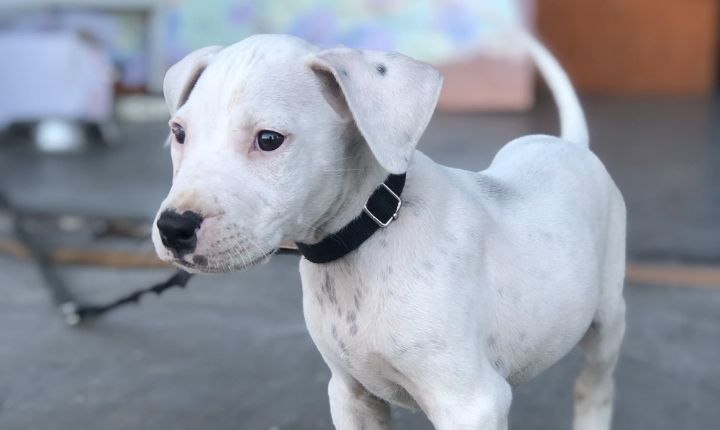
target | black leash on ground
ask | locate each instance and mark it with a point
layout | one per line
(178, 280)
(73, 310)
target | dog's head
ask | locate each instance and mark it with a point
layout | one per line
(272, 140)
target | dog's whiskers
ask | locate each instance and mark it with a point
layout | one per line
(264, 254)
(239, 250)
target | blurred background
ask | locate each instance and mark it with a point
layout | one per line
(83, 169)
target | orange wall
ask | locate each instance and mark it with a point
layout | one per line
(634, 46)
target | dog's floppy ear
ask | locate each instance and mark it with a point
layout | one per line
(391, 98)
(181, 77)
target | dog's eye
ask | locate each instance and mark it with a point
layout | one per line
(178, 132)
(268, 140)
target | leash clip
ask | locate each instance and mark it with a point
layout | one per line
(394, 216)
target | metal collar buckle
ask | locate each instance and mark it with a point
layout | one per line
(394, 215)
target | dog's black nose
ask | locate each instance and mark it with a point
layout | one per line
(177, 231)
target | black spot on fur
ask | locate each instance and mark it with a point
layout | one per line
(499, 364)
(493, 188)
(385, 274)
(491, 341)
(351, 317)
(381, 69)
(328, 288)
(200, 260)
(320, 301)
(352, 321)
(343, 72)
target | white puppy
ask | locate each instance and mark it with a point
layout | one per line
(485, 278)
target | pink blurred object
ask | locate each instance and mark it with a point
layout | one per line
(488, 83)
(498, 79)
(56, 75)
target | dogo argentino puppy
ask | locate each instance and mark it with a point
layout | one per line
(423, 286)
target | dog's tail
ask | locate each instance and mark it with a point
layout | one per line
(573, 126)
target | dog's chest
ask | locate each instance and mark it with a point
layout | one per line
(345, 316)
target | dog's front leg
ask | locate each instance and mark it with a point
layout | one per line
(467, 403)
(353, 407)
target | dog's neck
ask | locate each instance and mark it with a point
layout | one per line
(360, 174)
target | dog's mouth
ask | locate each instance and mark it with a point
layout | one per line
(202, 264)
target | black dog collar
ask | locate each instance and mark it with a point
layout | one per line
(380, 210)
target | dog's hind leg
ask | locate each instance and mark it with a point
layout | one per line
(594, 388)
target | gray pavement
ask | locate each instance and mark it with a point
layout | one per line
(232, 351)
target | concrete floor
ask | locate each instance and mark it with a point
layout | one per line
(232, 352)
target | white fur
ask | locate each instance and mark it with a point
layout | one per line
(485, 279)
